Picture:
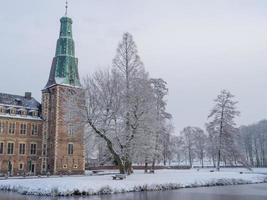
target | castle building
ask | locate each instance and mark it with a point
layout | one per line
(36, 138)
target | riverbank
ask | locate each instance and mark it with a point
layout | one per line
(161, 180)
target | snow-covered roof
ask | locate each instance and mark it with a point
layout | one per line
(28, 117)
(18, 101)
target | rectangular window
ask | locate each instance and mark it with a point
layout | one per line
(1, 147)
(34, 129)
(13, 111)
(21, 166)
(2, 110)
(10, 148)
(22, 148)
(33, 149)
(12, 127)
(2, 126)
(44, 149)
(70, 149)
(70, 130)
(23, 129)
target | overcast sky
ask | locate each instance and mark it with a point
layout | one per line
(197, 47)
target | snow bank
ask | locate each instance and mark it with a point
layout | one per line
(161, 180)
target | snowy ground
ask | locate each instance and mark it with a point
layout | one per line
(161, 180)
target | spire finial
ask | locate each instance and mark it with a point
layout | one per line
(66, 7)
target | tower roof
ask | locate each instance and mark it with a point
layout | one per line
(64, 69)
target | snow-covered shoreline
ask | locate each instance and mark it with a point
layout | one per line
(161, 180)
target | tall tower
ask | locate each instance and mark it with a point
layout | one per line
(63, 147)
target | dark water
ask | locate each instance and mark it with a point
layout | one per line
(238, 192)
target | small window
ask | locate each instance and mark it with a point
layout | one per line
(33, 149)
(10, 148)
(21, 166)
(2, 126)
(70, 130)
(34, 129)
(35, 113)
(65, 166)
(75, 166)
(44, 149)
(22, 148)
(13, 111)
(23, 112)
(1, 147)
(23, 128)
(12, 126)
(70, 149)
(2, 110)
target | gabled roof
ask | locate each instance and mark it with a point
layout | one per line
(19, 101)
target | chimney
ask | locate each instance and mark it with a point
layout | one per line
(28, 95)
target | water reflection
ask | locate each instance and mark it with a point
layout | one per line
(240, 192)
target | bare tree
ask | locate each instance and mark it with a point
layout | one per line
(253, 143)
(222, 125)
(200, 142)
(121, 107)
(188, 135)
(162, 127)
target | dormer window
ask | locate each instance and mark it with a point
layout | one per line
(2, 110)
(12, 111)
(23, 112)
(34, 113)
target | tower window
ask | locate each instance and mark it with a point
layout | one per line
(70, 149)
(70, 130)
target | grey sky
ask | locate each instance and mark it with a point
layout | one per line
(198, 47)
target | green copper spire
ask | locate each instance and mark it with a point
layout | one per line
(64, 70)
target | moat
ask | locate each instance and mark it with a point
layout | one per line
(237, 192)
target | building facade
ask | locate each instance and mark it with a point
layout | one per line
(36, 138)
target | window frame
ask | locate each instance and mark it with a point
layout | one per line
(2, 126)
(23, 166)
(24, 150)
(11, 128)
(34, 129)
(2, 147)
(31, 149)
(8, 149)
(70, 130)
(70, 151)
(23, 128)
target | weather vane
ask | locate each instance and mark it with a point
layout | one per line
(66, 7)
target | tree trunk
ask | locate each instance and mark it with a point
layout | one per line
(153, 164)
(146, 167)
(116, 156)
(128, 167)
(219, 159)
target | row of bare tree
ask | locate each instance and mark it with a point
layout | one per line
(125, 115)
(223, 142)
(253, 143)
(219, 144)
